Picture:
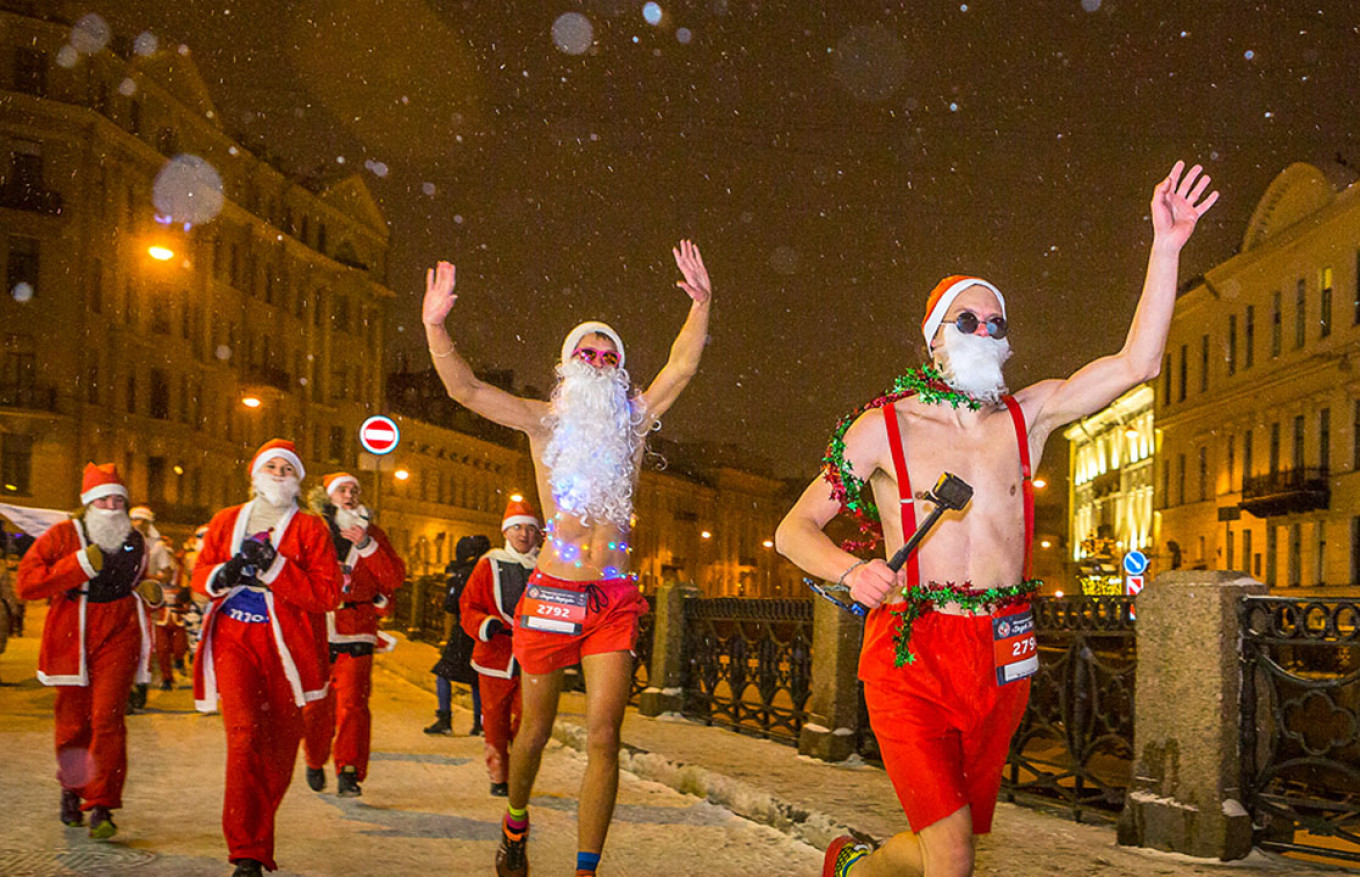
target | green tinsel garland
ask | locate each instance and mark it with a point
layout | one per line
(925, 383)
(921, 597)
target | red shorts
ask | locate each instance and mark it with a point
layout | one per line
(943, 724)
(610, 625)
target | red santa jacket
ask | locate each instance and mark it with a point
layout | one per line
(371, 575)
(55, 564)
(303, 581)
(493, 590)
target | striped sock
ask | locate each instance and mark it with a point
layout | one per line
(516, 820)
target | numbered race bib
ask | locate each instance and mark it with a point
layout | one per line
(553, 610)
(1016, 646)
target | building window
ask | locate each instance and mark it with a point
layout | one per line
(160, 395)
(1320, 567)
(1203, 363)
(155, 479)
(132, 395)
(1232, 344)
(1355, 437)
(1276, 323)
(1274, 448)
(26, 168)
(1229, 550)
(16, 463)
(1246, 553)
(1355, 549)
(337, 444)
(1232, 460)
(1272, 546)
(1180, 479)
(1325, 439)
(96, 286)
(1355, 304)
(1166, 484)
(1246, 455)
(1298, 443)
(1300, 314)
(321, 236)
(1203, 473)
(92, 384)
(23, 262)
(166, 141)
(135, 117)
(1166, 379)
(1185, 359)
(340, 313)
(1295, 555)
(1249, 338)
(1325, 303)
(30, 71)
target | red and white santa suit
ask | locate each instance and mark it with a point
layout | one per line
(258, 654)
(170, 641)
(372, 572)
(487, 614)
(96, 643)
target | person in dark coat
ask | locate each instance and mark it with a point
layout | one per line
(455, 664)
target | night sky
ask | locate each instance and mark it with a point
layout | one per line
(832, 160)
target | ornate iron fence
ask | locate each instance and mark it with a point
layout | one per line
(642, 652)
(1300, 724)
(1074, 747)
(748, 664)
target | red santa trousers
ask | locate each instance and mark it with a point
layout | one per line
(172, 643)
(91, 737)
(342, 714)
(264, 727)
(500, 722)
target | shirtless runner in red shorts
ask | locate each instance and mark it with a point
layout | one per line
(943, 698)
(581, 605)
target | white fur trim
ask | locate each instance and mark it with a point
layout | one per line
(340, 482)
(342, 638)
(591, 326)
(211, 584)
(144, 660)
(84, 560)
(101, 491)
(368, 550)
(381, 600)
(290, 670)
(277, 454)
(507, 673)
(936, 316)
(481, 630)
(389, 642)
(520, 519)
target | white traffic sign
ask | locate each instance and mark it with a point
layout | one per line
(1132, 585)
(379, 435)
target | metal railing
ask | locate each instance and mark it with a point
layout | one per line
(1300, 724)
(748, 664)
(1074, 747)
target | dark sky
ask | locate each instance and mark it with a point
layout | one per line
(833, 161)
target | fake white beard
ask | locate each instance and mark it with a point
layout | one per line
(355, 517)
(278, 492)
(972, 364)
(590, 456)
(107, 528)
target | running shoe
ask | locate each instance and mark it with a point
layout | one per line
(512, 858)
(841, 856)
(101, 823)
(71, 816)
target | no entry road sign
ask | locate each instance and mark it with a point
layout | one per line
(379, 435)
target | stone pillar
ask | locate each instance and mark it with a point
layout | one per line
(833, 706)
(1185, 793)
(666, 675)
(417, 605)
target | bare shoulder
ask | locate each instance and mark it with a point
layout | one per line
(1035, 397)
(866, 442)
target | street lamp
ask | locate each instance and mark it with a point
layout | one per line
(401, 474)
(250, 401)
(705, 535)
(159, 253)
(768, 543)
(1040, 484)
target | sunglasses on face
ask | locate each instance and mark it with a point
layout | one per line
(967, 323)
(591, 356)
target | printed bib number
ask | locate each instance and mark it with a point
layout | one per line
(1016, 646)
(553, 610)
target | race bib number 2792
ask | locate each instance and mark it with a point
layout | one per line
(553, 610)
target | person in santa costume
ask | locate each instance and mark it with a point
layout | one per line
(96, 642)
(170, 641)
(487, 613)
(372, 572)
(269, 569)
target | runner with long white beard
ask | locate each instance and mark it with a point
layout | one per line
(270, 569)
(96, 641)
(949, 644)
(581, 604)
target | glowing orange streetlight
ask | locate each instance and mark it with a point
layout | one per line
(160, 254)
(1040, 484)
(401, 474)
(705, 535)
(250, 401)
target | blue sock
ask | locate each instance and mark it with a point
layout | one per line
(587, 862)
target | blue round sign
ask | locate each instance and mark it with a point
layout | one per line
(1135, 563)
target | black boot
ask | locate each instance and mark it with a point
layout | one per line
(70, 809)
(347, 782)
(167, 685)
(500, 790)
(476, 727)
(248, 868)
(443, 723)
(316, 778)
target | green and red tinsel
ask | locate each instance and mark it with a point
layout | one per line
(926, 384)
(922, 597)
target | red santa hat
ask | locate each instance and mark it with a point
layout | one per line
(590, 327)
(943, 295)
(277, 449)
(142, 513)
(337, 480)
(518, 511)
(101, 481)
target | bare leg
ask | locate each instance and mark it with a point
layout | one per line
(539, 695)
(609, 677)
(942, 849)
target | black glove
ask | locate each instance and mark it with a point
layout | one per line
(258, 552)
(229, 576)
(493, 627)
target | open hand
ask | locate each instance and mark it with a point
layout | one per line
(1177, 204)
(691, 264)
(439, 295)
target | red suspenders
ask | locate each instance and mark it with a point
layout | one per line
(908, 502)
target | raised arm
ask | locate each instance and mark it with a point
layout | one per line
(801, 537)
(689, 344)
(463, 386)
(1177, 205)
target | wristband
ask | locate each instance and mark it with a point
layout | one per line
(854, 566)
(446, 354)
